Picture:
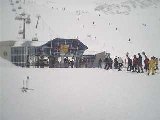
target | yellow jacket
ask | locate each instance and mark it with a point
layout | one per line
(152, 63)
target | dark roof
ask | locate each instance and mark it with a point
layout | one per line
(74, 42)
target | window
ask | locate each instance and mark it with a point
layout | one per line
(5, 53)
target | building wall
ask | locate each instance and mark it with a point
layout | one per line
(101, 55)
(5, 49)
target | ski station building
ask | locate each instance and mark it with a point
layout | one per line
(37, 53)
(54, 53)
(23, 52)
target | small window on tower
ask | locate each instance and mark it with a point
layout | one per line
(5, 53)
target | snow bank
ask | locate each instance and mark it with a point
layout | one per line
(5, 63)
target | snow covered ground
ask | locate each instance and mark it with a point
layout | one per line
(0, 20)
(79, 94)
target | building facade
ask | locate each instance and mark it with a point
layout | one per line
(52, 54)
(5, 49)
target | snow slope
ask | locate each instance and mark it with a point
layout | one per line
(0, 96)
(0, 68)
(0, 20)
(80, 94)
(137, 20)
(5, 64)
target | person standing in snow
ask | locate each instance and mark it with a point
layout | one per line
(106, 60)
(72, 63)
(129, 68)
(135, 62)
(115, 63)
(66, 62)
(120, 63)
(140, 63)
(100, 63)
(152, 65)
(110, 63)
(146, 64)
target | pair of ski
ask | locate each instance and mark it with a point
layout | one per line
(25, 87)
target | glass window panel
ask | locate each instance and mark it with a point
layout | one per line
(12, 58)
(22, 58)
(18, 50)
(22, 50)
(19, 58)
(12, 51)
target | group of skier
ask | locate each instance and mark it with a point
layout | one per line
(118, 63)
(134, 65)
(67, 62)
